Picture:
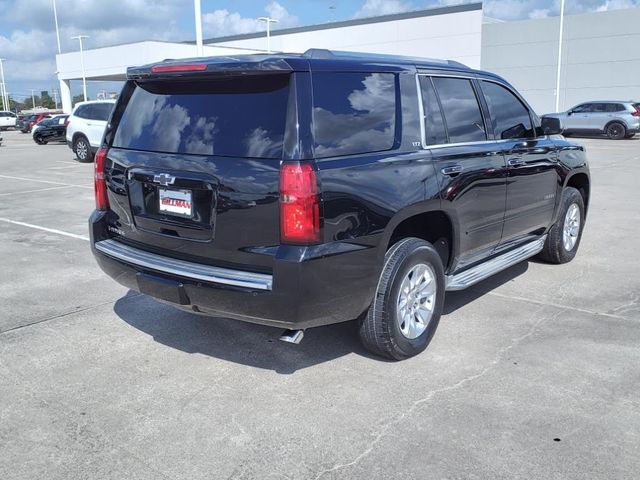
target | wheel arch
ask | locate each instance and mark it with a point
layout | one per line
(615, 120)
(581, 182)
(427, 221)
(76, 136)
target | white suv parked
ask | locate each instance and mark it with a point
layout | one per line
(86, 126)
(7, 119)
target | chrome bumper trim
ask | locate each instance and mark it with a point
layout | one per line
(466, 278)
(181, 268)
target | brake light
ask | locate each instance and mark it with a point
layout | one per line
(637, 112)
(99, 181)
(299, 204)
(185, 67)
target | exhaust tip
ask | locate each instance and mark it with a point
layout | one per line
(292, 336)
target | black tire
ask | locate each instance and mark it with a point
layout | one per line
(380, 331)
(630, 135)
(554, 250)
(616, 131)
(82, 149)
(39, 140)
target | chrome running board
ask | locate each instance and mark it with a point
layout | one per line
(466, 278)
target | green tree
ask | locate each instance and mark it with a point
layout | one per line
(78, 98)
(47, 102)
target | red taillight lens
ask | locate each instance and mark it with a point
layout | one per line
(99, 182)
(299, 204)
(185, 67)
(637, 112)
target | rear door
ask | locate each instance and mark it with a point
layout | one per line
(533, 181)
(193, 167)
(470, 166)
(96, 121)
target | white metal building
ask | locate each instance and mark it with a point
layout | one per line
(447, 32)
(600, 60)
(600, 57)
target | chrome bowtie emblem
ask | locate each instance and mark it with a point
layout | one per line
(164, 179)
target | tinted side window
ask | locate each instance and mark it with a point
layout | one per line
(353, 112)
(509, 116)
(435, 132)
(461, 109)
(82, 111)
(584, 108)
(101, 111)
(614, 107)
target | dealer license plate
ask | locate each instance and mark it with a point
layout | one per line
(176, 202)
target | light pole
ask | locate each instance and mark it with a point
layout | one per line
(55, 17)
(559, 56)
(33, 99)
(5, 99)
(268, 21)
(84, 79)
(198, 12)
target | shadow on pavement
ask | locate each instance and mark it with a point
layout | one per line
(236, 341)
(258, 345)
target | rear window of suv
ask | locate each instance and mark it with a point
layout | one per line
(231, 116)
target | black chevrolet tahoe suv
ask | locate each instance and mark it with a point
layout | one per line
(298, 190)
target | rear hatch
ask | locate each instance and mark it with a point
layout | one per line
(193, 167)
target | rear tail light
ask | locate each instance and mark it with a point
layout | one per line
(99, 181)
(66, 123)
(637, 112)
(299, 204)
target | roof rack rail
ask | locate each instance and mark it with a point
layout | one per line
(326, 54)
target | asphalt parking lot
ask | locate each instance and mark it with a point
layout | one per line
(532, 374)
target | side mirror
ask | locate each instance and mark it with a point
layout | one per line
(569, 113)
(551, 126)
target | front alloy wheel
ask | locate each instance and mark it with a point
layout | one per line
(571, 228)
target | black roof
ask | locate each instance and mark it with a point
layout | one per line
(311, 60)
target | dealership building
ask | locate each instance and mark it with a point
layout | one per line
(600, 54)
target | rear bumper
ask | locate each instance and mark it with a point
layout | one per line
(309, 286)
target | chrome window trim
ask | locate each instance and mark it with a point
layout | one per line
(421, 108)
(182, 268)
(423, 130)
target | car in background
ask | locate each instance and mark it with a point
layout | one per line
(42, 122)
(22, 121)
(7, 120)
(86, 126)
(32, 120)
(51, 130)
(615, 119)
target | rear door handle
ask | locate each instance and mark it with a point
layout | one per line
(516, 162)
(452, 170)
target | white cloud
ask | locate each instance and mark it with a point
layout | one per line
(374, 8)
(223, 22)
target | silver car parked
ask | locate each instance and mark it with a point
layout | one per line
(616, 119)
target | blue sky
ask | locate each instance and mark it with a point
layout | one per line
(28, 45)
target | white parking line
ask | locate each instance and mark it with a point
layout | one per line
(45, 181)
(32, 191)
(45, 229)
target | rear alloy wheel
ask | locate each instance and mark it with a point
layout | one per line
(616, 131)
(408, 301)
(82, 150)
